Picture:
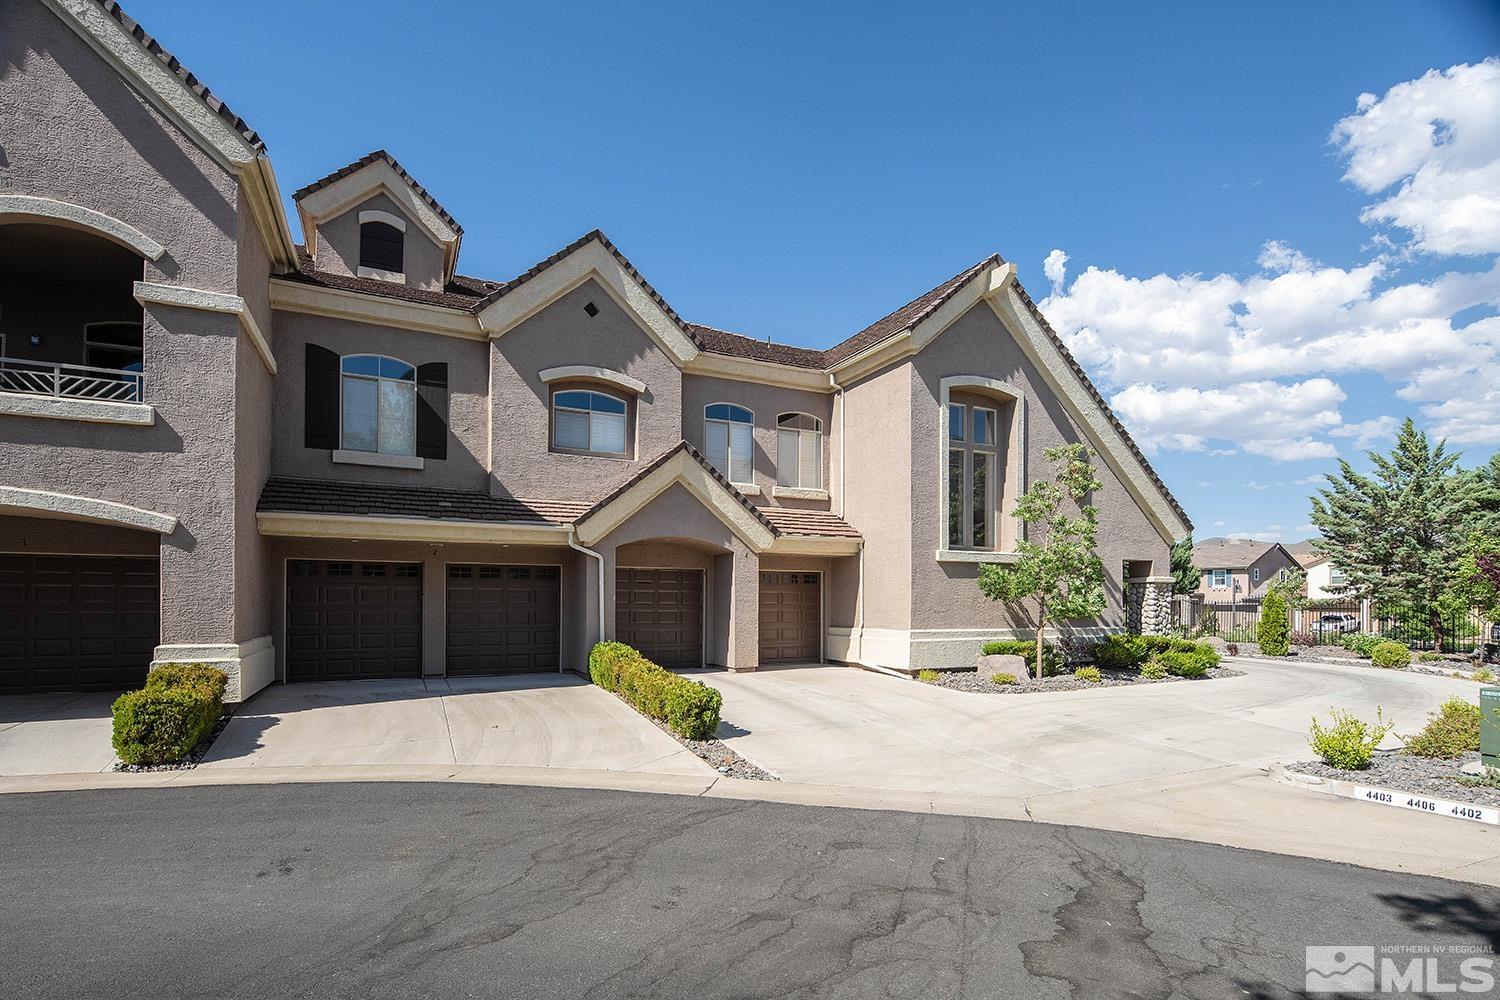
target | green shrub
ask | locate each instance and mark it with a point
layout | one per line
(1390, 654)
(1350, 742)
(1484, 675)
(929, 676)
(1180, 664)
(1052, 656)
(1003, 679)
(1153, 670)
(1450, 731)
(1359, 643)
(1089, 675)
(162, 722)
(1429, 657)
(691, 708)
(182, 674)
(1273, 633)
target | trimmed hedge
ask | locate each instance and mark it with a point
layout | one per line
(162, 722)
(689, 707)
(1389, 653)
(1089, 675)
(1183, 664)
(1273, 632)
(1052, 655)
(1126, 652)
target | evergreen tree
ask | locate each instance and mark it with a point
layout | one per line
(1185, 576)
(1273, 632)
(1401, 533)
(1063, 574)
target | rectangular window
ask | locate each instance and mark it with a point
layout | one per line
(1337, 578)
(955, 421)
(1255, 574)
(741, 450)
(984, 427)
(361, 402)
(1219, 579)
(982, 508)
(956, 498)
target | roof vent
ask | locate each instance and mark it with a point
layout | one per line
(591, 309)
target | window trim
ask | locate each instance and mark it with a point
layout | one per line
(817, 431)
(552, 410)
(1013, 460)
(729, 441)
(1214, 576)
(343, 375)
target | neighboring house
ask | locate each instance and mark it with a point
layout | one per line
(1322, 577)
(1234, 567)
(347, 459)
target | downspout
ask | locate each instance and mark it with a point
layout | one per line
(573, 544)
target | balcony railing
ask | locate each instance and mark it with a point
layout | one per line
(42, 378)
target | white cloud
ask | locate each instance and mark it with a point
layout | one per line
(1266, 418)
(1366, 432)
(1270, 533)
(1279, 256)
(1055, 267)
(1435, 139)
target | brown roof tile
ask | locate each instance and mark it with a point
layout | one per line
(182, 73)
(717, 341)
(460, 293)
(366, 160)
(326, 496)
(661, 460)
(790, 521)
(907, 316)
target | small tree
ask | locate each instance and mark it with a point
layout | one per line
(1061, 573)
(1185, 576)
(1273, 633)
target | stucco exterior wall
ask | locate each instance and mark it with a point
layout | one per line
(767, 402)
(75, 132)
(54, 536)
(879, 503)
(563, 334)
(338, 244)
(468, 401)
(945, 595)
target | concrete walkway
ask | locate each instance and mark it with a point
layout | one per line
(56, 733)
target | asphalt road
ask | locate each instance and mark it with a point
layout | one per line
(438, 890)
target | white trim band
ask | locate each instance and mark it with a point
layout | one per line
(615, 378)
(20, 207)
(66, 505)
(219, 302)
(98, 411)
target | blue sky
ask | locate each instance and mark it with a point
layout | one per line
(796, 173)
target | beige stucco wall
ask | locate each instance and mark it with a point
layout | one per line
(767, 402)
(468, 401)
(55, 536)
(1271, 563)
(563, 334)
(879, 502)
(338, 244)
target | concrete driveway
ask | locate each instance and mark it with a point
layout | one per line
(530, 720)
(56, 733)
(836, 726)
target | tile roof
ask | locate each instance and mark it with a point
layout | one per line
(662, 459)
(791, 521)
(1229, 553)
(327, 496)
(907, 316)
(177, 69)
(366, 160)
(460, 293)
(717, 341)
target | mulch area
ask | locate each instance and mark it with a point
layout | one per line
(1438, 779)
(973, 681)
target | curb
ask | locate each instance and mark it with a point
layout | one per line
(1388, 797)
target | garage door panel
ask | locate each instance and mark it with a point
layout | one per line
(660, 613)
(503, 619)
(348, 620)
(790, 617)
(77, 622)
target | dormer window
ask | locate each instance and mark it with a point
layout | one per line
(382, 246)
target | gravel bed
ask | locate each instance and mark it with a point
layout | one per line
(718, 756)
(194, 756)
(1344, 657)
(1403, 773)
(971, 680)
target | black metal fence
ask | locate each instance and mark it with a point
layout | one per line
(1446, 628)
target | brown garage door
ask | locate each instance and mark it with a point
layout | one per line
(353, 620)
(791, 617)
(660, 613)
(75, 623)
(503, 619)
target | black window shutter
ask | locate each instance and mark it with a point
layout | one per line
(321, 398)
(381, 246)
(432, 410)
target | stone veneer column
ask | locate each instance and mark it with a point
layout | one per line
(1148, 605)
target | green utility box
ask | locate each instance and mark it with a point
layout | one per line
(1489, 726)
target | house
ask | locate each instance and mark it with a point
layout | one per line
(1236, 568)
(1322, 577)
(345, 458)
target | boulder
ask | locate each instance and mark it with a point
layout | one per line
(1217, 643)
(1004, 663)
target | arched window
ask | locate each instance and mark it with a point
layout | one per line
(727, 431)
(379, 407)
(799, 451)
(588, 421)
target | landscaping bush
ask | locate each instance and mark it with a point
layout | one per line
(1390, 654)
(1304, 639)
(1273, 633)
(689, 707)
(1180, 664)
(1052, 656)
(927, 676)
(1450, 731)
(1089, 675)
(1484, 675)
(162, 722)
(1430, 657)
(1153, 670)
(1359, 643)
(1350, 742)
(1003, 679)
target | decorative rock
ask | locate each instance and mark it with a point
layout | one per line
(1474, 767)
(1001, 663)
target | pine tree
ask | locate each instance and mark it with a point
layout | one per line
(1273, 632)
(1185, 576)
(1401, 533)
(1063, 574)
